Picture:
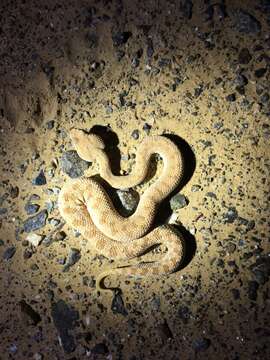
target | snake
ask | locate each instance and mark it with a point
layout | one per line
(86, 206)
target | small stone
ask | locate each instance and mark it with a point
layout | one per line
(118, 306)
(178, 201)
(231, 97)
(265, 98)
(231, 247)
(50, 125)
(34, 239)
(164, 331)
(29, 314)
(3, 211)
(129, 199)
(120, 38)
(2, 242)
(72, 165)
(230, 216)
(100, 349)
(135, 134)
(64, 318)
(73, 257)
(201, 344)
(147, 128)
(35, 222)
(244, 56)
(186, 7)
(60, 236)
(31, 208)
(235, 294)
(14, 192)
(245, 22)
(252, 290)
(9, 253)
(40, 179)
(89, 281)
(195, 188)
(38, 356)
(260, 72)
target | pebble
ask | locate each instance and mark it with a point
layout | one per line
(2, 242)
(9, 253)
(244, 56)
(252, 290)
(100, 349)
(14, 192)
(244, 22)
(31, 208)
(260, 72)
(129, 199)
(34, 239)
(186, 7)
(64, 317)
(73, 257)
(178, 201)
(230, 216)
(135, 134)
(120, 38)
(72, 165)
(30, 316)
(40, 179)
(118, 306)
(201, 344)
(35, 222)
(231, 97)
(3, 211)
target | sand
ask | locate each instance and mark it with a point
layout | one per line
(131, 70)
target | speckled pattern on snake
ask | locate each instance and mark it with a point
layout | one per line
(85, 206)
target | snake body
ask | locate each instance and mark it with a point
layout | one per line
(86, 206)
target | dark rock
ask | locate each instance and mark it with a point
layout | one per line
(89, 281)
(241, 80)
(178, 201)
(164, 331)
(35, 222)
(50, 125)
(3, 211)
(9, 253)
(31, 208)
(121, 38)
(135, 134)
(129, 199)
(2, 242)
(260, 72)
(231, 97)
(252, 290)
(118, 306)
(245, 22)
(244, 56)
(100, 349)
(147, 128)
(150, 48)
(73, 257)
(64, 318)
(265, 98)
(186, 7)
(14, 192)
(235, 294)
(230, 216)
(72, 165)
(201, 344)
(184, 314)
(30, 315)
(40, 179)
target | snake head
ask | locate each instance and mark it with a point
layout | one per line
(86, 145)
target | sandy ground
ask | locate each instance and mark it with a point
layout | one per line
(195, 69)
